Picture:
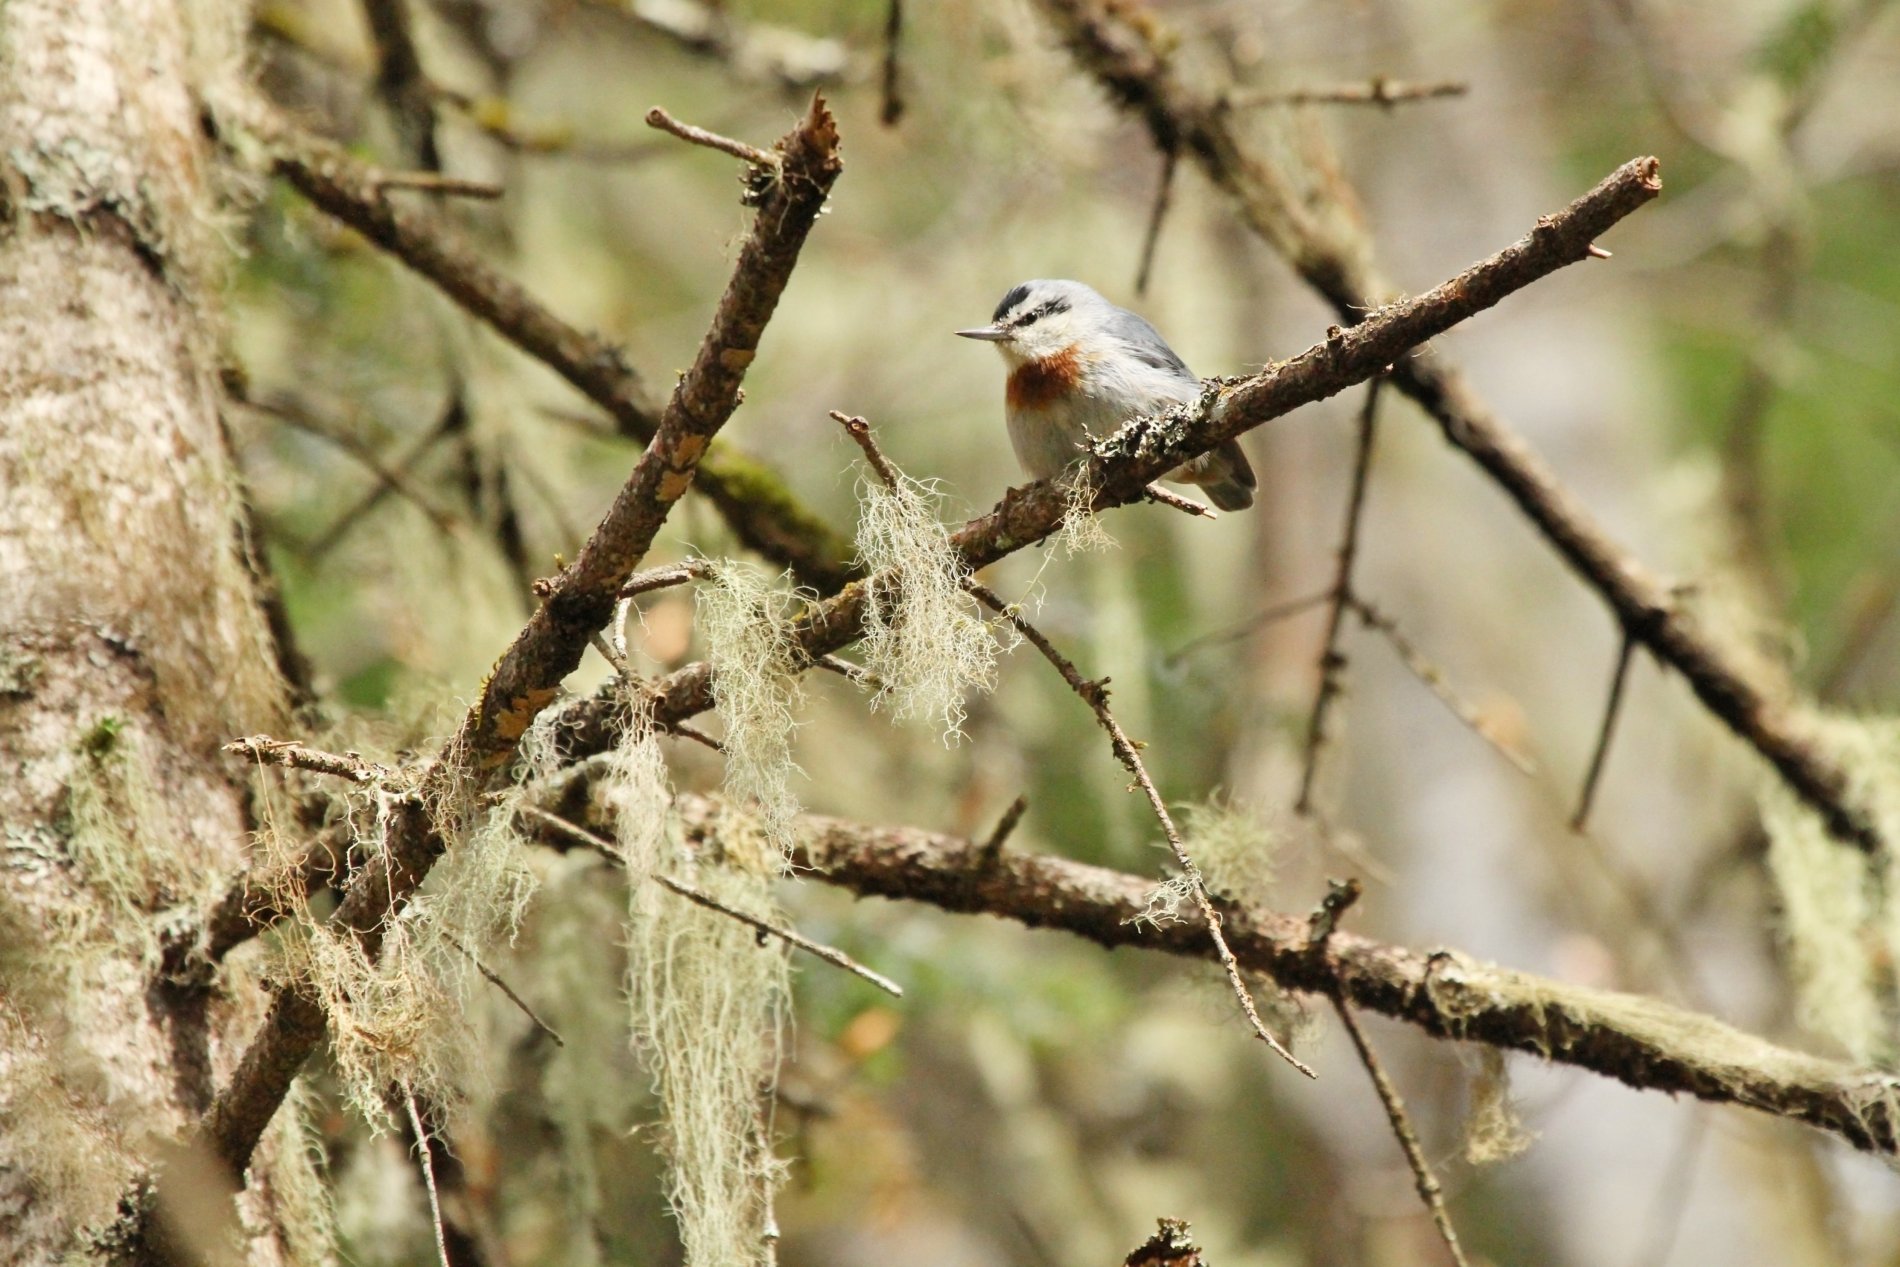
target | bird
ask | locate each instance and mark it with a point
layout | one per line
(1079, 367)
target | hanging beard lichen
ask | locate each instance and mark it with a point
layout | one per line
(634, 790)
(921, 640)
(755, 683)
(1081, 531)
(708, 997)
(402, 1019)
(1493, 1130)
(1840, 908)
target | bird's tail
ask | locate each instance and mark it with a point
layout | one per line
(1224, 475)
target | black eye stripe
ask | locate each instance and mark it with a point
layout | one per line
(1048, 309)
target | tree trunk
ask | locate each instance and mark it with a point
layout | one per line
(132, 641)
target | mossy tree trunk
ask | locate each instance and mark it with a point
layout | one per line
(132, 640)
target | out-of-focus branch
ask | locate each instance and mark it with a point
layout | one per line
(400, 81)
(751, 498)
(1332, 661)
(1377, 91)
(1641, 1042)
(1130, 57)
(529, 673)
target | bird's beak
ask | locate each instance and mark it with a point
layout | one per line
(989, 334)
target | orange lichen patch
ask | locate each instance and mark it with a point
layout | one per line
(673, 485)
(519, 713)
(1039, 384)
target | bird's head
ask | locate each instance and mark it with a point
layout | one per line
(1042, 319)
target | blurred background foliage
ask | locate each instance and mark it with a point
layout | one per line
(1725, 393)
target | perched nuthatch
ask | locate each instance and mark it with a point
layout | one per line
(1079, 367)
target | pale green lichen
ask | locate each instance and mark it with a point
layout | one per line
(636, 792)
(708, 1002)
(1081, 531)
(403, 1019)
(1233, 847)
(1840, 913)
(923, 644)
(755, 683)
(1493, 1130)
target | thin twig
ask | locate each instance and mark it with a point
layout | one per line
(659, 118)
(791, 937)
(1332, 661)
(891, 108)
(436, 183)
(1427, 1183)
(1156, 493)
(662, 577)
(1612, 708)
(1378, 91)
(830, 954)
(1164, 194)
(1095, 695)
(290, 754)
(1433, 679)
(495, 980)
(749, 495)
(860, 430)
(856, 674)
(1253, 624)
(999, 835)
(428, 1179)
(389, 478)
(1339, 899)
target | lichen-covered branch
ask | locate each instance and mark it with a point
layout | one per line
(1131, 57)
(1124, 464)
(528, 675)
(1641, 1042)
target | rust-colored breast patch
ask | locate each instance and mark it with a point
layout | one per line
(1040, 384)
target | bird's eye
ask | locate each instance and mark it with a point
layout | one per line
(1033, 316)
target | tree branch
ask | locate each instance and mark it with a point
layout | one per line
(528, 675)
(1128, 57)
(752, 499)
(1122, 465)
(1641, 1042)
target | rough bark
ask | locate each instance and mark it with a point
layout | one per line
(131, 636)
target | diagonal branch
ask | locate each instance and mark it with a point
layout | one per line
(1122, 466)
(1095, 695)
(1338, 898)
(753, 502)
(582, 598)
(1127, 53)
